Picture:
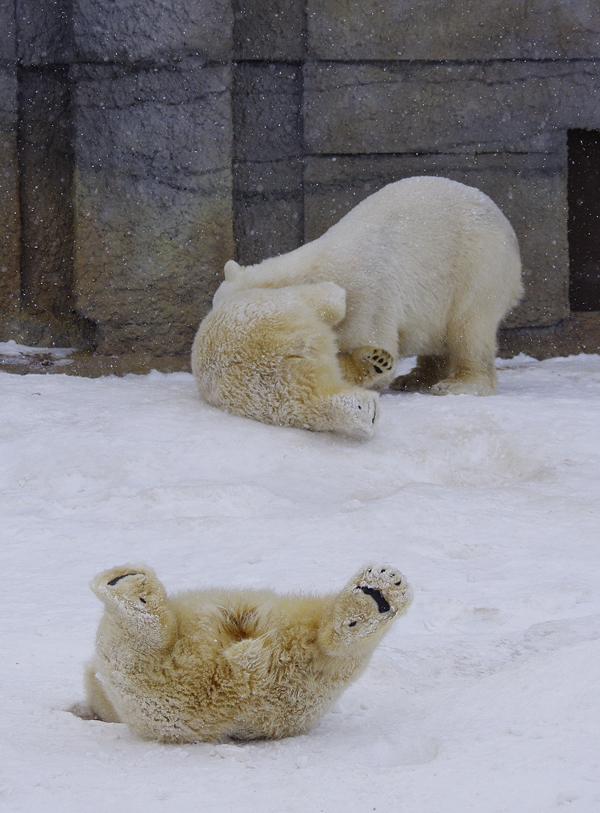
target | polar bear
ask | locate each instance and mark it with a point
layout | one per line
(271, 354)
(426, 266)
(247, 664)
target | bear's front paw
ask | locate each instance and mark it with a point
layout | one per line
(366, 365)
(377, 361)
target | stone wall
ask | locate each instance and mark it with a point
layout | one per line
(9, 176)
(144, 144)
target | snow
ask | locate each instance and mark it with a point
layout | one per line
(21, 354)
(482, 698)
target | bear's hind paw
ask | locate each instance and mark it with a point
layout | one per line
(388, 588)
(365, 607)
(130, 587)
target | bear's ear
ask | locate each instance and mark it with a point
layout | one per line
(232, 269)
(328, 299)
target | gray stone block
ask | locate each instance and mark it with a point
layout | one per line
(269, 29)
(268, 207)
(148, 259)
(462, 30)
(153, 217)
(168, 124)
(45, 191)
(8, 31)
(420, 107)
(9, 197)
(267, 102)
(166, 158)
(530, 190)
(580, 333)
(130, 31)
(44, 31)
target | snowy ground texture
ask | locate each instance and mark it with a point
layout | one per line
(483, 698)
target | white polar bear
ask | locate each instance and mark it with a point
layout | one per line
(248, 664)
(426, 267)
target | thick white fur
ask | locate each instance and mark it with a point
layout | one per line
(428, 266)
(206, 665)
(271, 355)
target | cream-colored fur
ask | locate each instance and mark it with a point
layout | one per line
(426, 267)
(206, 665)
(271, 355)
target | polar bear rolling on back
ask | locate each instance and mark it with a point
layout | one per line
(426, 267)
(247, 664)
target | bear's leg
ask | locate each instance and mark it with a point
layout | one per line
(366, 366)
(99, 705)
(363, 609)
(472, 350)
(135, 596)
(427, 372)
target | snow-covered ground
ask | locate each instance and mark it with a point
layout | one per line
(483, 698)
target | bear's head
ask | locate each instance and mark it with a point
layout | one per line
(271, 354)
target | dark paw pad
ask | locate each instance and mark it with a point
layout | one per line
(124, 576)
(382, 603)
(380, 360)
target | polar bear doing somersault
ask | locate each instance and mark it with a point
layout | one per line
(247, 664)
(426, 267)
